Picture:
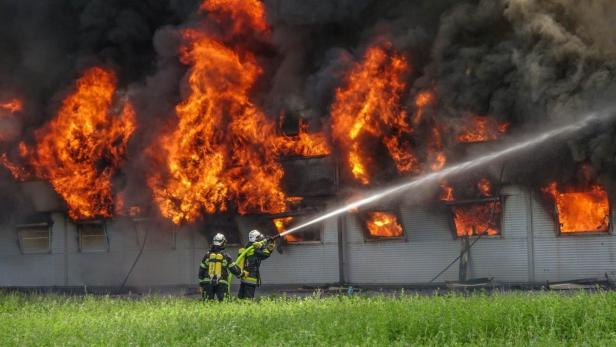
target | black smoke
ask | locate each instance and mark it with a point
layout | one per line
(528, 62)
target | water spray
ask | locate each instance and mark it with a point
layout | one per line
(594, 117)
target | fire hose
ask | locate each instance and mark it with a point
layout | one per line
(240, 258)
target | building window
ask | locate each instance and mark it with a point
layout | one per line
(34, 238)
(578, 210)
(93, 237)
(382, 225)
(310, 234)
(477, 217)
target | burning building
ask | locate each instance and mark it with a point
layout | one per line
(162, 125)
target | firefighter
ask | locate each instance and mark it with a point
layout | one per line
(257, 249)
(215, 268)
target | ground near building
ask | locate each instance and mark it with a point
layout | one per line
(527, 318)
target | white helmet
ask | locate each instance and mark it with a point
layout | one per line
(219, 240)
(255, 235)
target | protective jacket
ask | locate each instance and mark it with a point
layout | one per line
(251, 263)
(215, 267)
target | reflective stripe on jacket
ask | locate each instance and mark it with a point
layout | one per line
(251, 263)
(215, 266)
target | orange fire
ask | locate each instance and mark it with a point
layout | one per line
(81, 149)
(482, 129)
(471, 219)
(222, 147)
(122, 210)
(281, 225)
(436, 156)
(485, 187)
(581, 211)
(368, 105)
(446, 192)
(401, 153)
(477, 218)
(383, 224)
(304, 144)
(422, 100)
(12, 106)
(243, 15)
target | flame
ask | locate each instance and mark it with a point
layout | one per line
(81, 149)
(244, 15)
(223, 147)
(474, 218)
(485, 187)
(477, 218)
(446, 192)
(401, 152)
(383, 224)
(122, 210)
(304, 143)
(436, 156)
(12, 106)
(581, 211)
(422, 100)
(368, 105)
(281, 225)
(482, 129)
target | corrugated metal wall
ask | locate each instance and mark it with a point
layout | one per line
(312, 263)
(568, 257)
(530, 250)
(431, 247)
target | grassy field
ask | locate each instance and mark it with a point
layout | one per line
(498, 319)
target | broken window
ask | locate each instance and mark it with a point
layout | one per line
(580, 210)
(93, 237)
(477, 217)
(34, 238)
(382, 225)
(309, 234)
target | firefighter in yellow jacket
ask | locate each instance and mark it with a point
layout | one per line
(257, 249)
(215, 268)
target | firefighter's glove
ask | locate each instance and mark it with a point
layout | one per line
(271, 246)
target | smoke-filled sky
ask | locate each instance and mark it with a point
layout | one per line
(522, 61)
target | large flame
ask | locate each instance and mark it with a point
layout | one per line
(368, 105)
(581, 211)
(221, 148)
(224, 150)
(81, 149)
(383, 224)
(481, 129)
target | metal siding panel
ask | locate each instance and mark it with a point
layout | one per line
(302, 264)
(306, 263)
(569, 257)
(503, 259)
(431, 247)
(515, 217)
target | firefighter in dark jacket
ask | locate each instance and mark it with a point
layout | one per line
(258, 249)
(215, 268)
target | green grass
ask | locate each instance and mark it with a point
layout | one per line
(544, 319)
